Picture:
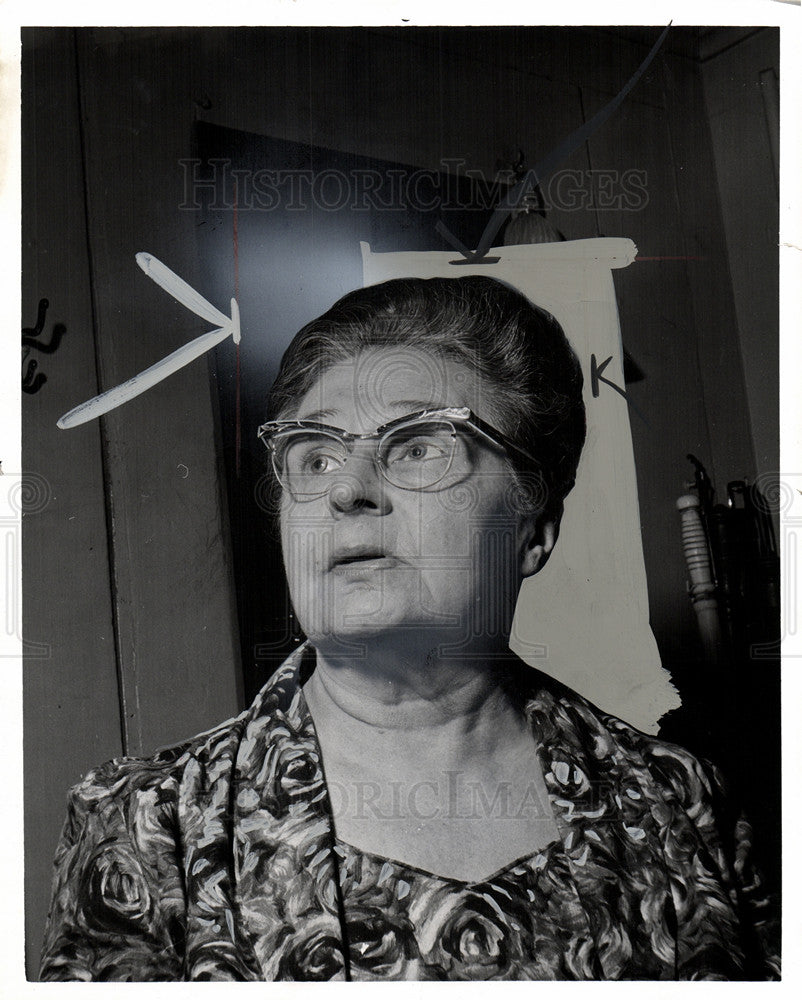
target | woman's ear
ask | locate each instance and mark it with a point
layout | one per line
(537, 537)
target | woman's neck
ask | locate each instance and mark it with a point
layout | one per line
(434, 767)
(460, 703)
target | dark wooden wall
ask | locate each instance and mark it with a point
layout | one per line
(741, 88)
(127, 572)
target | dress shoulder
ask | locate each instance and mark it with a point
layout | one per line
(705, 839)
(118, 906)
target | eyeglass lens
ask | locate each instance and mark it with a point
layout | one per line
(413, 457)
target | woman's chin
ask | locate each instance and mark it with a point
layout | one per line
(351, 630)
(361, 612)
(396, 629)
(397, 617)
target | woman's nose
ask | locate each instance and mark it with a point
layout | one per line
(359, 487)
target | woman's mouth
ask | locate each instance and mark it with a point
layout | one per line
(360, 558)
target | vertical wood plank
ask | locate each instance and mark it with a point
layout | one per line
(709, 270)
(71, 708)
(178, 647)
(743, 166)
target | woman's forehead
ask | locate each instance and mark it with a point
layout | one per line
(384, 383)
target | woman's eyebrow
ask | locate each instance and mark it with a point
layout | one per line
(404, 405)
(413, 405)
(319, 416)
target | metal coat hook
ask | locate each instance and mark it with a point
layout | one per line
(32, 381)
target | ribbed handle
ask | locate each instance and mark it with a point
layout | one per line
(702, 588)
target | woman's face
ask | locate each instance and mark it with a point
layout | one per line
(441, 565)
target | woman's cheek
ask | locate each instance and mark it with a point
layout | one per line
(304, 549)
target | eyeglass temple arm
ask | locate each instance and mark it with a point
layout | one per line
(497, 438)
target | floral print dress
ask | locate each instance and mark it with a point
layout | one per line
(217, 860)
(515, 925)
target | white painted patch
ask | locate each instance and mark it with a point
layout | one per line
(584, 618)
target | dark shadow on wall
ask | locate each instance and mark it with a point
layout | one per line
(301, 214)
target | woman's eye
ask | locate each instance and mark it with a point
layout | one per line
(419, 450)
(319, 463)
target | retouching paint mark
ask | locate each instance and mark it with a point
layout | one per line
(597, 376)
(194, 301)
(545, 168)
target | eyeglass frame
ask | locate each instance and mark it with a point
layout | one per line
(461, 414)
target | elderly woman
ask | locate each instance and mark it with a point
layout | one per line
(405, 799)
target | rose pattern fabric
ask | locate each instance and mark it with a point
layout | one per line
(405, 923)
(217, 860)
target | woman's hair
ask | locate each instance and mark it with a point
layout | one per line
(517, 349)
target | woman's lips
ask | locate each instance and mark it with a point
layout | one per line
(357, 566)
(360, 558)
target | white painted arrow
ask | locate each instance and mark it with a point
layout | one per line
(194, 301)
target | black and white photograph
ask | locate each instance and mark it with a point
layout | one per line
(399, 549)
